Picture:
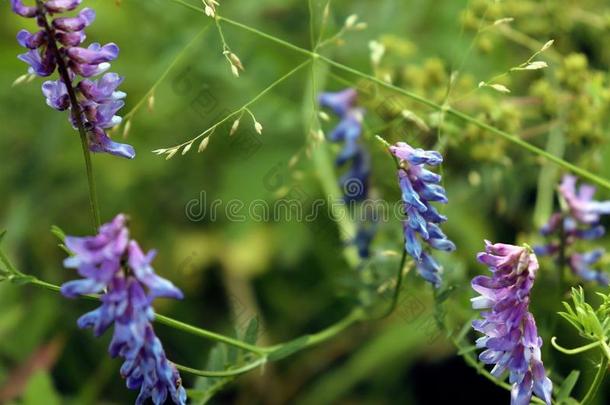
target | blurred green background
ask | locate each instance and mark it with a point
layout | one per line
(291, 274)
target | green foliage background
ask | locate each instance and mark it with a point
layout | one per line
(286, 273)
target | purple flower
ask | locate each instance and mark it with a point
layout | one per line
(340, 102)
(581, 204)
(23, 10)
(96, 102)
(56, 94)
(41, 64)
(582, 265)
(580, 221)
(31, 41)
(61, 6)
(511, 338)
(74, 24)
(419, 188)
(114, 266)
(100, 142)
(94, 54)
(355, 181)
(103, 89)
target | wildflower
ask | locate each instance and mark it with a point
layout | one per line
(581, 204)
(114, 266)
(355, 181)
(579, 221)
(420, 187)
(511, 338)
(581, 265)
(57, 47)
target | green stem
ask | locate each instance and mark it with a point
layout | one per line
(164, 75)
(243, 108)
(398, 288)
(606, 349)
(577, 350)
(283, 350)
(77, 115)
(562, 259)
(209, 335)
(310, 340)
(597, 382)
(161, 319)
(422, 100)
(227, 373)
(333, 330)
(95, 211)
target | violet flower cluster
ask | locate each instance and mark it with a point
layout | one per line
(114, 266)
(511, 338)
(56, 46)
(420, 187)
(355, 181)
(580, 221)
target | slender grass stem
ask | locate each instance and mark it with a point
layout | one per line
(76, 112)
(243, 108)
(597, 382)
(325, 17)
(165, 73)
(312, 25)
(585, 174)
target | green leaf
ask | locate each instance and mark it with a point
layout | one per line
(196, 396)
(40, 390)
(218, 358)
(251, 334)
(568, 385)
(2, 235)
(205, 387)
(232, 352)
(289, 348)
(572, 321)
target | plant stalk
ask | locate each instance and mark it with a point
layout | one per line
(77, 116)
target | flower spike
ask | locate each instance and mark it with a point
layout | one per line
(511, 338)
(419, 188)
(580, 221)
(56, 47)
(114, 266)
